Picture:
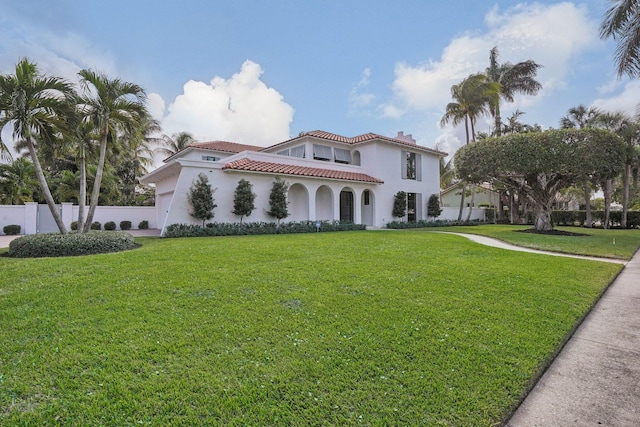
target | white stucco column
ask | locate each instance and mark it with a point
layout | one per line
(30, 218)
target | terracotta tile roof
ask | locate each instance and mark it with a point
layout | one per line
(287, 169)
(360, 138)
(227, 147)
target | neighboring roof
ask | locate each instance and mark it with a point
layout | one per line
(224, 146)
(360, 139)
(287, 169)
(228, 147)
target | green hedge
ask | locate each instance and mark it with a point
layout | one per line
(11, 230)
(143, 225)
(397, 225)
(110, 225)
(236, 229)
(72, 244)
(580, 217)
(125, 225)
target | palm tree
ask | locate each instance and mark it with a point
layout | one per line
(513, 79)
(18, 182)
(35, 105)
(174, 143)
(582, 117)
(112, 106)
(471, 98)
(622, 22)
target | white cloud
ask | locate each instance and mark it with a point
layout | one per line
(551, 35)
(156, 106)
(359, 99)
(626, 101)
(239, 109)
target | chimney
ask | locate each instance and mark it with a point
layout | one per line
(407, 138)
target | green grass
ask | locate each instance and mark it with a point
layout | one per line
(353, 328)
(597, 242)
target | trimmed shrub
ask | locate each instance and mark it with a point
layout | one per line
(72, 244)
(74, 226)
(400, 225)
(110, 225)
(252, 228)
(144, 224)
(11, 230)
(96, 225)
(125, 225)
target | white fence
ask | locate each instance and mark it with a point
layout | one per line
(34, 218)
(451, 213)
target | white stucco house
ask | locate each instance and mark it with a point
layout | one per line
(330, 177)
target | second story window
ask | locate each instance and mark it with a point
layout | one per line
(341, 156)
(298, 151)
(411, 166)
(321, 152)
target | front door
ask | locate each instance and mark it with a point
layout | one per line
(346, 206)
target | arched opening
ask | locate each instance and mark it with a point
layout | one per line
(346, 205)
(324, 203)
(298, 198)
(367, 204)
(356, 157)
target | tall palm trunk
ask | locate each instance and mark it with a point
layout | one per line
(625, 194)
(587, 198)
(44, 187)
(95, 194)
(608, 189)
(82, 196)
(461, 202)
(473, 194)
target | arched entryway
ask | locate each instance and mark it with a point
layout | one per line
(324, 203)
(346, 205)
(298, 198)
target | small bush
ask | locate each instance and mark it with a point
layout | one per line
(96, 225)
(72, 244)
(110, 225)
(235, 229)
(399, 225)
(125, 225)
(74, 225)
(11, 230)
(144, 224)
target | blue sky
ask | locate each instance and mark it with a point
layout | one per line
(259, 72)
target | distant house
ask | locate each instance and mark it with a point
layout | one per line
(485, 195)
(330, 177)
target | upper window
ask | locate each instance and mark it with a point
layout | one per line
(298, 151)
(283, 153)
(342, 156)
(321, 152)
(411, 166)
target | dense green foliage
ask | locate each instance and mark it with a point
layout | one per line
(200, 198)
(539, 164)
(110, 225)
(433, 206)
(11, 229)
(95, 225)
(399, 204)
(125, 225)
(72, 244)
(399, 225)
(236, 229)
(243, 199)
(143, 225)
(316, 329)
(278, 199)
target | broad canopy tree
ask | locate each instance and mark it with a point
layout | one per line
(539, 164)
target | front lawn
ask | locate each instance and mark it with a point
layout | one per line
(614, 243)
(353, 328)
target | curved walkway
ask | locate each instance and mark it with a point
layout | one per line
(595, 380)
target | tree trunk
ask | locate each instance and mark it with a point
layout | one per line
(95, 194)
(461, 202)
(587, 198)
(473, 193)
(625, 194)
(608, 189)
(543, 220)
(82, 196)
(44, 187)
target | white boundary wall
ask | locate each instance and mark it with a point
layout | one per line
(26, 216)
(451, 213)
